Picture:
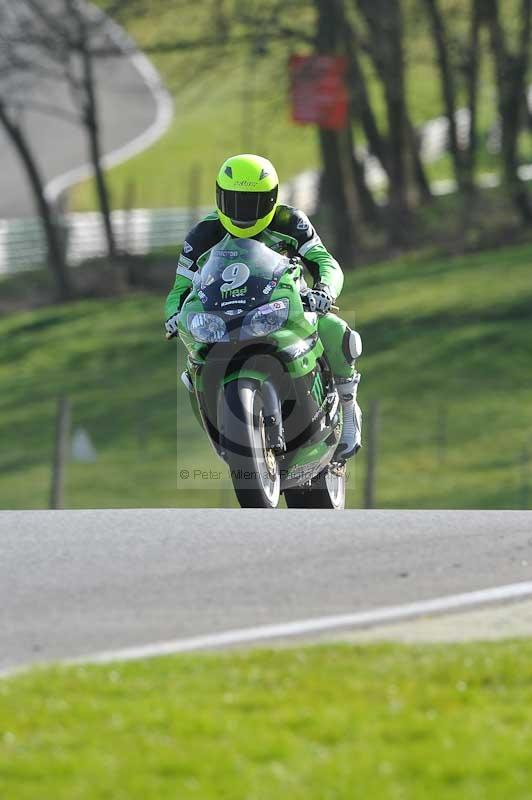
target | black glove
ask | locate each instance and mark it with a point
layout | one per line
(320, 298)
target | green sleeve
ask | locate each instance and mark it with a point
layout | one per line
(330, 271)
(177, 295)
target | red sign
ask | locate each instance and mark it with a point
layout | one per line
(318, 90)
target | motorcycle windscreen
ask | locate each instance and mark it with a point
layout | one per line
(239, 275)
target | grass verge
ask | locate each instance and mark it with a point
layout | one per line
(338, 721)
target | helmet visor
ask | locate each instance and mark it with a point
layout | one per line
(245, 206)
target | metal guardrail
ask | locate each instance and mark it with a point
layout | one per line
(138, 232)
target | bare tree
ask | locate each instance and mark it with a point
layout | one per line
(419, 174)
(360, 101)
(71, 36)
(448, 89)
(79, 48)
(471, 70)
(338, 179)
(344, 195)
(15, 96)
(511, 68)
(363, 113)
(384, 22)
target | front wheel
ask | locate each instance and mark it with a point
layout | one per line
(326, 490)
(253, 465)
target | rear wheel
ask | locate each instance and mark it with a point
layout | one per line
(326, 490)
(254, 469)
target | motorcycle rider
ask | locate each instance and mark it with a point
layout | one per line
(247, 207)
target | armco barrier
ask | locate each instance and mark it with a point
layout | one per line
(139, 231)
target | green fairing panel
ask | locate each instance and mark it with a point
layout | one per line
(299, 329)
(307, 455)
(298, 367)
(194, 406)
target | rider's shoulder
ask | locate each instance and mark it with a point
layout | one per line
(211, 217)
(291, 220)
(208, 231)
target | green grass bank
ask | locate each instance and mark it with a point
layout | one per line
(448, 349)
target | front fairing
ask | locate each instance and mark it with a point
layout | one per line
(240, 276)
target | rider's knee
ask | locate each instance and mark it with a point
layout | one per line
(331, 327)
(351, 345)
(336, 333)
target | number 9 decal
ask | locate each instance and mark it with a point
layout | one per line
(236, 275)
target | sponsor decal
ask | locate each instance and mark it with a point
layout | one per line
(246, 183)
(318, 413)
(234, 292)
(277, 305)
(303, 225)
(317, 391)
(187, 248)
(202, 296)
(235, 276)
(269, 287)
(227, 253)
(184, 262)
(232, 312)
(231, 302)
(303, 472)
(298, 350)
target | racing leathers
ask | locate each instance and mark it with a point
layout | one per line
(291, 233)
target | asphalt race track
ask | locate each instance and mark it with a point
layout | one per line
(79, 583)
(128, 107)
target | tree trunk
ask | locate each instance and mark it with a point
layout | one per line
(360, 102)
(385, 25)
(472, 71)
(511, 71)
(420, 176)
(527, 110)
(368, 206)
(91, 122)
(447, 86)
(338, 180)
(360, 110)
(56, 258)
(339, 194)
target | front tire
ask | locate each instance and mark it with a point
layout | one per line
(254, 469)
(326, 490)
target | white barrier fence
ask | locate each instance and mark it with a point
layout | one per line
(139, 231)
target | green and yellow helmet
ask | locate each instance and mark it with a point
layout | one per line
(246, 194)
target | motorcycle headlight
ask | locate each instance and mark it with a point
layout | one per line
(265, 319)
(207, 328)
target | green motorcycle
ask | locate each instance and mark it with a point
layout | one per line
(259, 381)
